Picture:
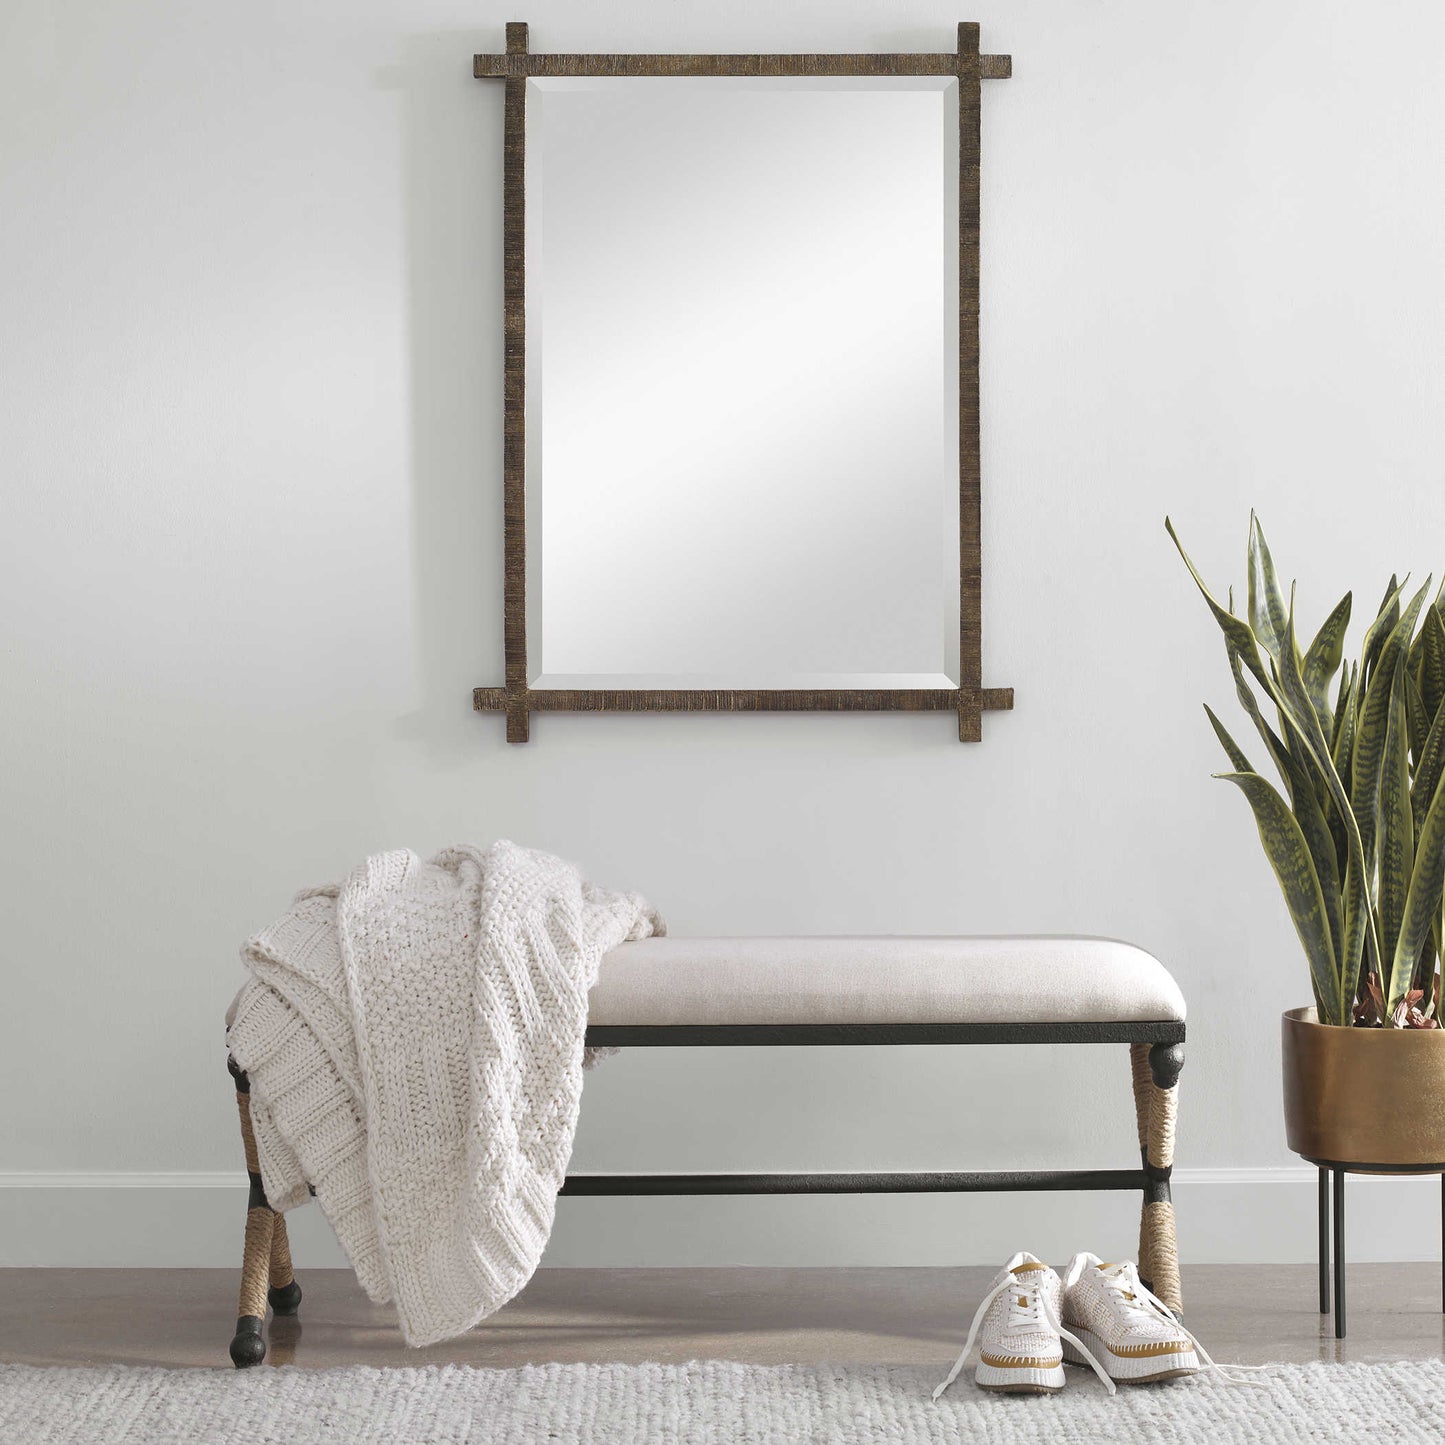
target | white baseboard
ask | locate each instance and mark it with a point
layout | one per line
(195, 1219)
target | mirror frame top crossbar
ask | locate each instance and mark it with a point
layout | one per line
(516, 698)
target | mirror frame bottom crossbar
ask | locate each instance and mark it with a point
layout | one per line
(932, 699)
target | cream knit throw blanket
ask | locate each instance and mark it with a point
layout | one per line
(414, 1041)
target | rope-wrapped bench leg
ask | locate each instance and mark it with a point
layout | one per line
(284, 1294)
(1156, 1103)
(1143, 1084)
(248, 1345)
(266, 1273)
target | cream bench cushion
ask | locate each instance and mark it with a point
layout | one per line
(881, 980)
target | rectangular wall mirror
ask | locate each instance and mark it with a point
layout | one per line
(741, 458)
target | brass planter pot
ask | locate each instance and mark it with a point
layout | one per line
(1373, 1097)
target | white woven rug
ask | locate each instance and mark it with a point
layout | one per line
(709, 1403)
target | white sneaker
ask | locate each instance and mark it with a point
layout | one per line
(1124, 1326)
(1020, 1349)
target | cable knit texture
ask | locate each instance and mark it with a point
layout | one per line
(414, 1041)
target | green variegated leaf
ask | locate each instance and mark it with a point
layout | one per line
(1236, 632)
(1360, 941)
(1410, 616)
(1417, 647)
(1370, 732)
(1423, 904)
(1357, 902)
(1267, 615)
(1343, 756)
(1322, 661)
(1284, 846)
(1428, 768)
(1293, 701)
(1348, 715)
(1404, 629)
(1417, 723)
(1237, 759)
(1397, 824)
(1299, 778)
(1430, 674)
(1278, 751)
(1380, 628)
(1369, 750)
(1342, 704)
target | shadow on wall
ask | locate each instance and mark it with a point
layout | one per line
(451, 192)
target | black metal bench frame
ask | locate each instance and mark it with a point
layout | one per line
(1157, 1056)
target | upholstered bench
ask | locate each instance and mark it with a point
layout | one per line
(689, 992)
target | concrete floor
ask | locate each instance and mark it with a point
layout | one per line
(1244, 1313)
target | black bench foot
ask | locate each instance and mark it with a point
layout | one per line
(286, 1300)
(248, 1347)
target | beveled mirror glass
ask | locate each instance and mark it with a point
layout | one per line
(742, 376)
(742, 463)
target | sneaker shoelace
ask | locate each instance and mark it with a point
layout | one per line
(1140, 1305)
(1029, 1313)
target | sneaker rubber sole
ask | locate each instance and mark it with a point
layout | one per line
(1020, 1379)
(1132, 1369)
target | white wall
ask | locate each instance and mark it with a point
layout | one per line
(250, 571)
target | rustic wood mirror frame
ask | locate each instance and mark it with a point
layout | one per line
(516, 697)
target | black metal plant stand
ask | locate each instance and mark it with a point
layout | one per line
(1332, 1189)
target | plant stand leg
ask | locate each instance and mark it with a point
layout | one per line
(1323, 1213)
(1339, 1192)
(1442, 1243)
(1157, 1244)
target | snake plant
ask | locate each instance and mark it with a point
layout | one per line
(1357, 837)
